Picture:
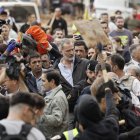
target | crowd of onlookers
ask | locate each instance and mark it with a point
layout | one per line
(53, 86)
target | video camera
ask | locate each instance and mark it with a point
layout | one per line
(2, 22)
(12, 66)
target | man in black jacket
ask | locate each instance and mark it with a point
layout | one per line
(91, 124)
(72, 68)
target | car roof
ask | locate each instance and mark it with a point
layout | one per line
(16, 3)
(21, 4)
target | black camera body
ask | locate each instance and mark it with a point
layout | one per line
(2, 22)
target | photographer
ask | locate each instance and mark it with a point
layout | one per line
(10, 78)
(6, 27)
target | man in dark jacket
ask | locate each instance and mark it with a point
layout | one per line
(83, 87)
(91, 123)
(72, 70)
(33, 77)
(99, 73)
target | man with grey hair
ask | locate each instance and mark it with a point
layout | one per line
(70, 65)
(134, 71)
(135, 56)
(72, 70)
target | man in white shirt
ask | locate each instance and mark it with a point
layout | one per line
(72, 70)
(135, 56)
(134, 71)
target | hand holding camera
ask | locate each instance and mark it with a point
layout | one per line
(11, 46)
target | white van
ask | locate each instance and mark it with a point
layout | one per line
(110, 6)
(20, 10)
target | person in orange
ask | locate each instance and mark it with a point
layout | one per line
(40, 37)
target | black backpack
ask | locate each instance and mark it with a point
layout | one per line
(25, 130)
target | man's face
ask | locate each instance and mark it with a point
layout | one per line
(3, 17)
(68, 51)
(104, 18)
(105, 28)
(132, 72)
(45, 83)
(32, 18)
(58, 34)
(5, 32)
(109, 48)
(80, 51)
(91, 75)
(36, 64)
(137, 54)
(45, 61)
(91, 53)
(120, 23)
(58, 12)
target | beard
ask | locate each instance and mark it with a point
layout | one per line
(69, 58)
(38, 70)
(91, 80)
(120, 26)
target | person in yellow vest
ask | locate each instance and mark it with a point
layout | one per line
(67, 135)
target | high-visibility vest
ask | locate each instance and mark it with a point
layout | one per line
(69, 135)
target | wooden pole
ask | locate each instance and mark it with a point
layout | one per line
(50, 25)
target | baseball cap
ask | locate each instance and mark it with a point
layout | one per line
(91, 65)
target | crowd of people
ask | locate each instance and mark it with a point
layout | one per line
(55, 87)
